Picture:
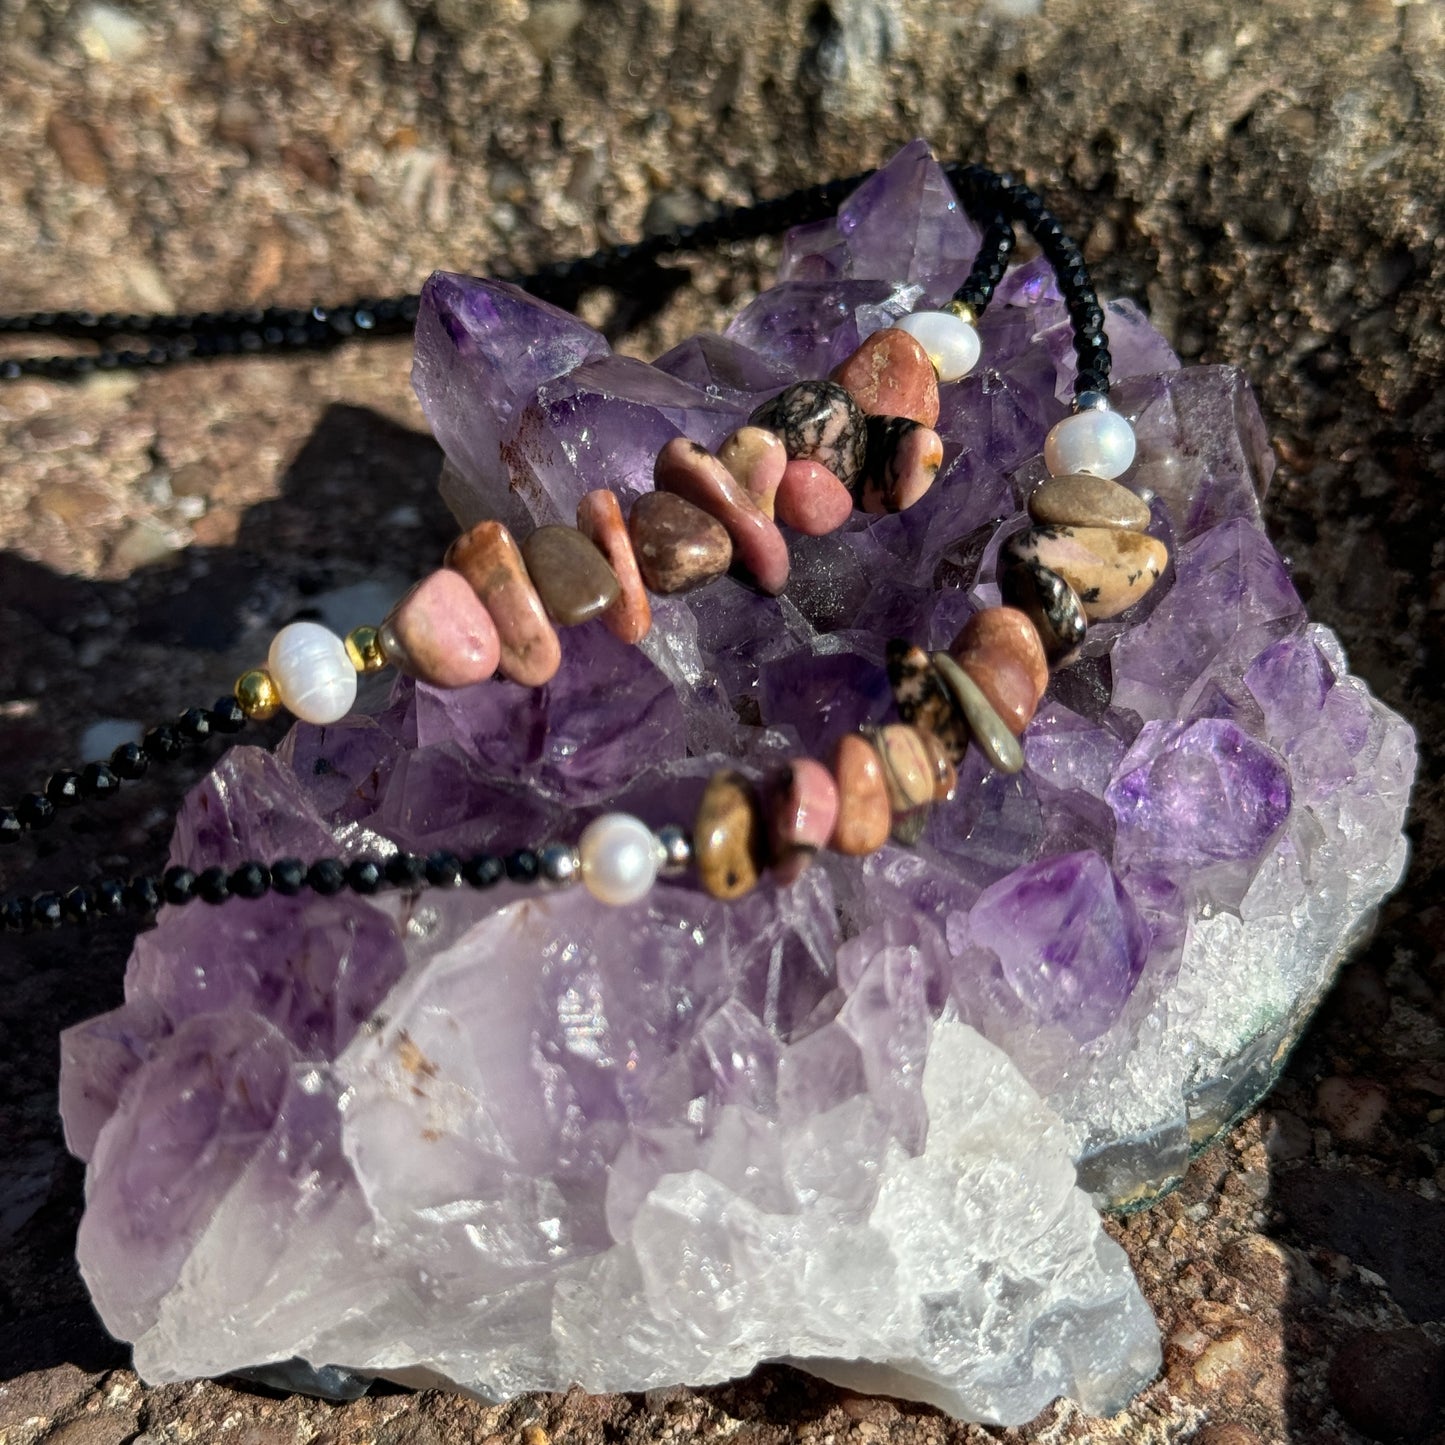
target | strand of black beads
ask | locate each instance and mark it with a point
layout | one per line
(96, 782)
(142, 895)
(988, 266)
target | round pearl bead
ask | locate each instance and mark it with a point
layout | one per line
(620, 858)
(1098, 443)
(312, 672)
(951, 343)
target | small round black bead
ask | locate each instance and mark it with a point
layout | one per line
(250, 880)
(213, 885)
(482, 870)
(98, 781)
(109, 894)
(288, 876)
(36, 812)
(523, 866)
(79, 905)
(326, 876)
(178, 885)
(363, 875)
(194, 725)
(226, 715)
(46, 911)
(130, 761)
(10, 825)
(15, 913)
(163, 743)
(405, 870)
(443, 869)
(143, 894)
(63, 788)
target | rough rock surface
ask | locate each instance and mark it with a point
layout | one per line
(1257, 175)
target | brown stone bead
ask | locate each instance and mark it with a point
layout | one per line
(999, 648)
(1085, 501)
(727, 836)
(678, 546)
(864, 815)
(599, 517)
(571, 576)
(489, 558)
(890, 375)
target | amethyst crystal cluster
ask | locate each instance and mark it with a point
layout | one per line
(518, 1142)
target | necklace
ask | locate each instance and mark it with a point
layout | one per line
(630, 1145)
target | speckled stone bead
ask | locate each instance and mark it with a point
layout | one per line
(571, 576)
(903, 459)
(489, 558)
(864, 815)
(890, 375)
(811, 500)
(1085, 501)
(441, 634)
(727, 838)
(756, 458)
(999, 648)
(922, 700)
(1046, 599)
(678, 546)
(599, 517)
(818, 422)
(995, 741)
(1110, 570)
(802, 810)
(692, 472)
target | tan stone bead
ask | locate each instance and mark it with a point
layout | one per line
(1110, 570)
(571, 576)
(1085, 501)
(907, 768)
(599, 517)
(756, 458)
(727, 836)
(489, 558)
(999, 648)
(864, 815)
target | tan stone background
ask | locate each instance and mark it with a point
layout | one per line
(1264, 175)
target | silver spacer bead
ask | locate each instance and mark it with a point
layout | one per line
(560, 864)
(1091, 401)
(674, 847)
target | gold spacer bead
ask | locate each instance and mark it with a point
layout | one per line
(963, 311)
(363, 647)
(257, 693)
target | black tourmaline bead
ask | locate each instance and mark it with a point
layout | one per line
(213, 885)
(194, 725)
(226, 715)
(363, 875)
(143, 894)
(250, 880)
(288, 876)
(109, 897)
(10, 826)
(483, 870)
(130, 761)
(405, 870)
(97, 781)
(36, 812)
(326, 876)
(178, 885)
(79, 905)
(46, 911)
(443, 869)
(15, 913)
(523, 866)
(63, 788)
(163, 743)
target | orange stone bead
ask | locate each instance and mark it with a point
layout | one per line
(600, 519)
(890, 375)
(999, 648)
(864, 814)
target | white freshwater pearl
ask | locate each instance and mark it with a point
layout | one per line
(951, 343)
(620, 857)
(312, 672)
(1098, 443)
